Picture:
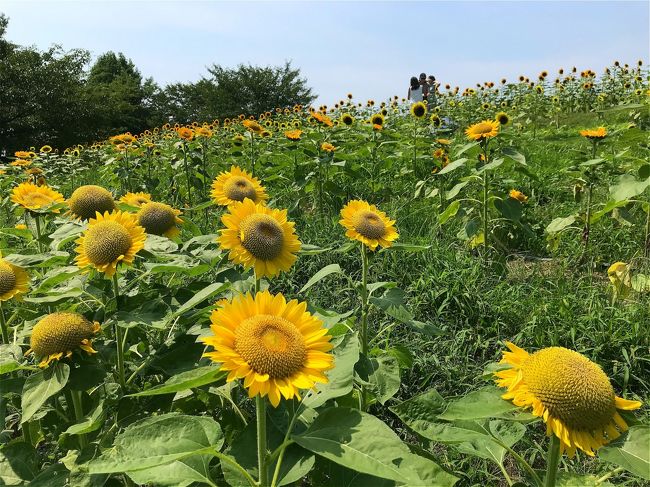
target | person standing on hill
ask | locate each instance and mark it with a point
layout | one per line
(415, 91)
(424, 85)
(431, 98)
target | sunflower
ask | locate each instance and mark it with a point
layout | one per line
(259, 237)
(569, 392)
(377, 119)
(323, 119)
(594, 134)
(14, 280)
(203, 132)
(277, 347)
(482, 130)
(110, 238)
(33, 197)
(159, 219)
(238, 140)
(23, 154)
(236, 185)
(439, 153)
(20, 163)
(443, 141)
(252, 126)
(370, 226)
(46, 149)
(185, 133)
(136, 199)
(418, 110)
(518, 195)
(347, 119)
(293, 135)
(327, 147)
(502, 118)
(435, 120)
(88, 200)
(60, 333)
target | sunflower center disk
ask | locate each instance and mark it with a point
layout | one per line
(156, 220)
(238, 188)
(369, 224)
(7, 278)
(37, 199)
(271, 345)
(87, 200)
(106, 241)
(573, 389)
(59, 332)
(262, 236)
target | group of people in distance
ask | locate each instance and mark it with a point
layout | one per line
(423, 89)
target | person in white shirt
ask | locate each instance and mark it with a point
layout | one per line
(415, 91)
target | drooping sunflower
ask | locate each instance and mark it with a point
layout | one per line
(14, 280)
(370, 226)
(483, 130)
(518, 195)
(418, 109)
(110, 238)
(435, 120)
(60, 333)
(34, 197)
(259, 237)
(136, 199)
(594, 134)
(252, 126)
(277, 347)
(235, 186)
(502, 118)
(159, 219)
(569, 392)
(88, 200)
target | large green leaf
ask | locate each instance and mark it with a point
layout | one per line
(363, 443)
(631, 451)
(157, 441)
(205, 293)
(324, 272)
(42, 385)
(383, 377)
(628, 187)
(17, 464)
(559, 224)
(186, 380)
(484, 403)
(452, 166)
(449, 212)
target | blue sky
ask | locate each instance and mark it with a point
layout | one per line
(368, 48)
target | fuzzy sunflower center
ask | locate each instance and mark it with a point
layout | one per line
(106, 241)
(418, 110)
(262, 236)
(156, 219)
(271, 345)
(7, 278)
(59, 332)
(37, 199)
(87, 200)
(573, 389)
(483, 128)
(369, 224)
(238, 188)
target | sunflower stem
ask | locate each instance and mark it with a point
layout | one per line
(187, 174)
(364, 317)
(79, 414)
(37, 220)
(119, 339)
(485, 203)
(552, 462)
(260, 406)
(3, 325)
(253, 155)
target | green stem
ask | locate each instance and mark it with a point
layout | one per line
(415, 151)
(552, 462)
(587, 230)
(237, 466)
(646, 243)
(485, 204)
(3, 323)
(609, 475)
(119, 339)
(260, 406)
(253, 154)
(187, 174)
(79, 414)
(37, 219)
(364, 316)
(27, 435)
(523, 463)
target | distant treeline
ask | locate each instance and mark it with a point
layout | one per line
(58, 97)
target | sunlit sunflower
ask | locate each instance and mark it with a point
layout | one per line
(443, 141)
(322, 119)
(482, 130)
(136, 199)
(502, 118)
(377, 119)
(418, 109)
(14, 280)
(110, 238)
(159, 219)
(347, 119)
(370, 226)
(277, 347)
(259, 237)
(594, 134)
(88, 200)
(185, 133)
(236, 185)
(58, 334)
(293, 135)
(518, 195)
(252, 126)
(23, 154)
(569, 392)
(34, 197)
(20, 163)
(327, 147)
(203, 132)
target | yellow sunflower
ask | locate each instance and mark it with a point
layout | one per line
(418, 109)
(483, 130)
(293, 134)
(236, 185)
(46, 149)
(347, 119)
(259, 237)
(377, 119)
(594, 134)
(60, 333)
(136, 199)
(277, 347)
(518, 195)
(327, 147)
(14, 280)
(252, 126)
(502, 118)
(20, 163)
(23, 154)
(370, 226)
(33, 197)
(569, 392)
(88, 200)
(185, 133)
(110, 238)
(159, 219)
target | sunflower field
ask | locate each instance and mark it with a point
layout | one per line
(373, 294)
